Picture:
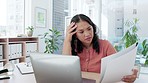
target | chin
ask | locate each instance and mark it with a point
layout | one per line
(88, 42)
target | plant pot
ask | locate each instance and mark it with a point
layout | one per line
(29, 33)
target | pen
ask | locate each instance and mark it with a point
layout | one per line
(4, 78)
(3, 71)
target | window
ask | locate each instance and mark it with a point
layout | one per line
(12, 17)
(60, 11)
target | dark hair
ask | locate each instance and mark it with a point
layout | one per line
(78, 46)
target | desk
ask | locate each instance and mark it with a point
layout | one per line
(17, 77)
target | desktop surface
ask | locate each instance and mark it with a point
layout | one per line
(17, 77)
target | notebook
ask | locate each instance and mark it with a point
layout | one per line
(24, 68)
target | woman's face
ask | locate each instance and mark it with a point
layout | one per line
(84, 33)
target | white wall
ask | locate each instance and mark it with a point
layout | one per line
(143, 18)
(32, 4)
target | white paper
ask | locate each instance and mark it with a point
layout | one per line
(117, 65)
(24, 69)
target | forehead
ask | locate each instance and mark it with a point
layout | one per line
(82, 25)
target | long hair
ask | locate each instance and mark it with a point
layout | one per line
(76, 44)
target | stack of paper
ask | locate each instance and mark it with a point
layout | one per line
(117, 65)
(24, 68)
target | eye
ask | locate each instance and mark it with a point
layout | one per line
(89, 28)
(81, 31)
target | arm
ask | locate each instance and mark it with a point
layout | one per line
(66, 47)
(67, 41)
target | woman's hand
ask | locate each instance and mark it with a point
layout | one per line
(67, 41)
(130, 78)
(70, 31)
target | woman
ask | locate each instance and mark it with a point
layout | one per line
(82, 40)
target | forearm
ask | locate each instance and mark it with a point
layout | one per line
(67, 41)
(66, 48)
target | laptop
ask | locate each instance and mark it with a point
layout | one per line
(54, 68)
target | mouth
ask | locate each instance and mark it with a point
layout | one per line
(88, 39)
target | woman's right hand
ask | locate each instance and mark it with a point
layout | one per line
(67, 41)
(70, 31)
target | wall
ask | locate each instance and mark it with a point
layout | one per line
(142, 13)
(143, 18)
(30, 18)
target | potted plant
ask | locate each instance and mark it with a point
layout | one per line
(131, 36)
(145, 51)
(51, 40)
(30, 30)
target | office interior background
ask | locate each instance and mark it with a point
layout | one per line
(109, 16)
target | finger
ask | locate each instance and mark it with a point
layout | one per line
(129, 78)
(72, 29)
(68, 30)
(71, 25)
(135, 71)
(73, 32)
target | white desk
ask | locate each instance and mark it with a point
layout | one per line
(17, 77)
(143, 78)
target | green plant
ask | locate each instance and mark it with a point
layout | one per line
(51, 40)
(131, 36)
(30, 28)
(118, 46)
(145, 50)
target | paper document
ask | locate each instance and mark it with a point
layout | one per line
(117, 65)
(24, 68)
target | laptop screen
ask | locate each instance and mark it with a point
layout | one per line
(53, 68)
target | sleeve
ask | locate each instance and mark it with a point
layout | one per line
(110, 49)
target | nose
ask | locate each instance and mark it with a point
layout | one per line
(86, 33)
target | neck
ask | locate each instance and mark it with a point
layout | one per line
(88, 46)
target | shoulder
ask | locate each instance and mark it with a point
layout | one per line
(103, 42)
(106, 47)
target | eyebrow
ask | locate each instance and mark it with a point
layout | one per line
(86, 28)
(89, 26)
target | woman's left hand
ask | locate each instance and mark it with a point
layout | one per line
(130, 78)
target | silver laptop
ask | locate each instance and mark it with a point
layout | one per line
(53, 68)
